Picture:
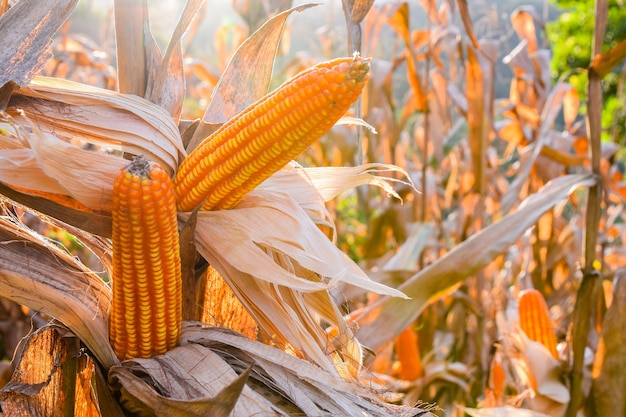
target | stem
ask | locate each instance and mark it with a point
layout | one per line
(425, 137)
(582, 310)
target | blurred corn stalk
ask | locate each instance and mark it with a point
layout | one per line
(501, 208)
(289, 349)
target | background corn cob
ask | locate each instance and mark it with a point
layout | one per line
(146, 314)
(250, 147)
(535, 319)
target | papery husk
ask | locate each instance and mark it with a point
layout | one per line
(105, 118)
(207, 365)
(68, 138)
(281, 265)
(48, 164)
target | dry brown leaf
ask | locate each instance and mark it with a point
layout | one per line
(467, 22)
(524, 19)
(386, 318)
(202, 379)
(37, 159)
(192, 380)
(359, 9)
(571, 107)
(85, 113)
(332, 181)
(477, 117)
(30, 265)
(604, 63)
(399, 21)
(27, 31)
(313, 390)
(247, 77)
(166, 85)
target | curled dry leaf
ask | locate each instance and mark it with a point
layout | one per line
(192, 380)
(311, 389)
(524, 19)
(604, 63)
(49, 165)
(206, 375)
(29, 275)
(85, 113)
(42, 117)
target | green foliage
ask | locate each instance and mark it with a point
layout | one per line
(571, 36)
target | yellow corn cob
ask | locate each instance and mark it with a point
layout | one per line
(535, 319)
(146, 310)
(259, 141)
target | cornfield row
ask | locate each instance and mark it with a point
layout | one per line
(351, 221)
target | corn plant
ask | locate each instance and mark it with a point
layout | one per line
(112, 168)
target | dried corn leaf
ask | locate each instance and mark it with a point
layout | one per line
(604, 63)
(386, 318)
(192, 381)
(247, 76)
(313, 390)
(166, 87)
(358, 9)
(524, 20)
(281, 271)
(36, 273)
(105, 118)
(294, 180)
(27, 30)
(332, 181)
(467, 22)
(399, 21)
(53, 166)
(549, 113)
(268, 221)
(477, 117)
(270, 253)
(98, 224)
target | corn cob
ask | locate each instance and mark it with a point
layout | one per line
(408, 352)
(263, 138)
(146, 309)
(535, 319)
